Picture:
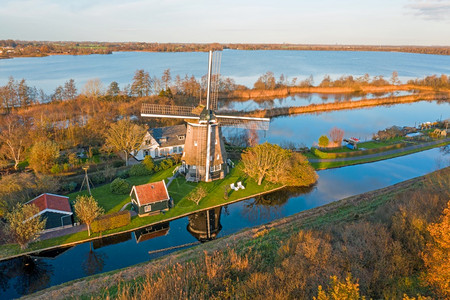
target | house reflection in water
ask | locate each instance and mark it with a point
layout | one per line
(205, 225)
(150, 232)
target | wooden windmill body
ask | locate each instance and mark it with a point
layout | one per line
(204, 157)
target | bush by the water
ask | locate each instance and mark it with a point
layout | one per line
(120, 186)
(111, 221)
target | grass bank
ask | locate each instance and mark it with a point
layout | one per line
(367, 158)
(179, 190)
(279, 250)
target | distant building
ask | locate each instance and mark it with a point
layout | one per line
(55, 208)
(163, 141)
(150, 198)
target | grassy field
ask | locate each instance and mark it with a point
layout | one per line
(113, 202)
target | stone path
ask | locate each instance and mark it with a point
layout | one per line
(395, 151)
(64, 231)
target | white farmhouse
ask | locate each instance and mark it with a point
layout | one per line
(163, 141)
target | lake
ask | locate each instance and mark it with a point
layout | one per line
(25, 275)
(243, 66)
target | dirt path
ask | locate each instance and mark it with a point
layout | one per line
(390, 152)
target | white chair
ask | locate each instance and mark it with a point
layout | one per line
(234, 187)
(240, 186)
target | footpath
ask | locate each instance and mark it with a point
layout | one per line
(380, 154)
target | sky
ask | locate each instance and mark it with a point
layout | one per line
(365, 22)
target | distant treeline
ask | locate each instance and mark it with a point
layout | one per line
(15, 48)
(188, 90)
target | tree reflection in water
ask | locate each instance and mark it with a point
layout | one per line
(29, 274)
(95, 261)
(268, 206)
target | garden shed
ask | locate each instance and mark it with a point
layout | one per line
(150, 198)
(55, 208)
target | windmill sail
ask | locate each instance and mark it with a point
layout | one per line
(204, 156)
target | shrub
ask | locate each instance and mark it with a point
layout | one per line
(70, 187)
(139, 170)
(120, 186)
(148, 163)
(323, 141)
(123, 174)
(98, 178)
(166, 164)
(56, 169)
(118, 163)
(111, 221)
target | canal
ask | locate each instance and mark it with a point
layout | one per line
(28, 274)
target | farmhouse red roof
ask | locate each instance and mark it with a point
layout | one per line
(50, 201)
(151, 192)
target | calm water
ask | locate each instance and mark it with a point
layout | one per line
(360, 123)
(243, 66)
(299, 100)
(29, 274)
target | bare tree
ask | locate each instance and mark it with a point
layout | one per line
(87, 210)
(14, 138)
(93, 88)
(197, 195)
(336, 136)
(23, 224)
(125, 136)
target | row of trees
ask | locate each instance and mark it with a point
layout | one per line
(38, 48)
(269, 82)
(18, 94)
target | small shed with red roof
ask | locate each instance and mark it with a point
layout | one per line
(150, 198)
(55, 208)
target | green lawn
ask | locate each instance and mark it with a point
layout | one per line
(113, 202)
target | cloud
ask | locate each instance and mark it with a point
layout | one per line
(435, 10)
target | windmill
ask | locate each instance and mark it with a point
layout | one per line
(204, 157)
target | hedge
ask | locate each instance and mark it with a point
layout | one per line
(327, 155)
(111, 221)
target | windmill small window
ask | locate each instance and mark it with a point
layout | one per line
(216, 141)
(195, 143)
(218, 156)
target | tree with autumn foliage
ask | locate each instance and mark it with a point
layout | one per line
(87, 210)
(125, 136)
(340, 290)
(437, 255)
(278, 165)
(23, 224)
